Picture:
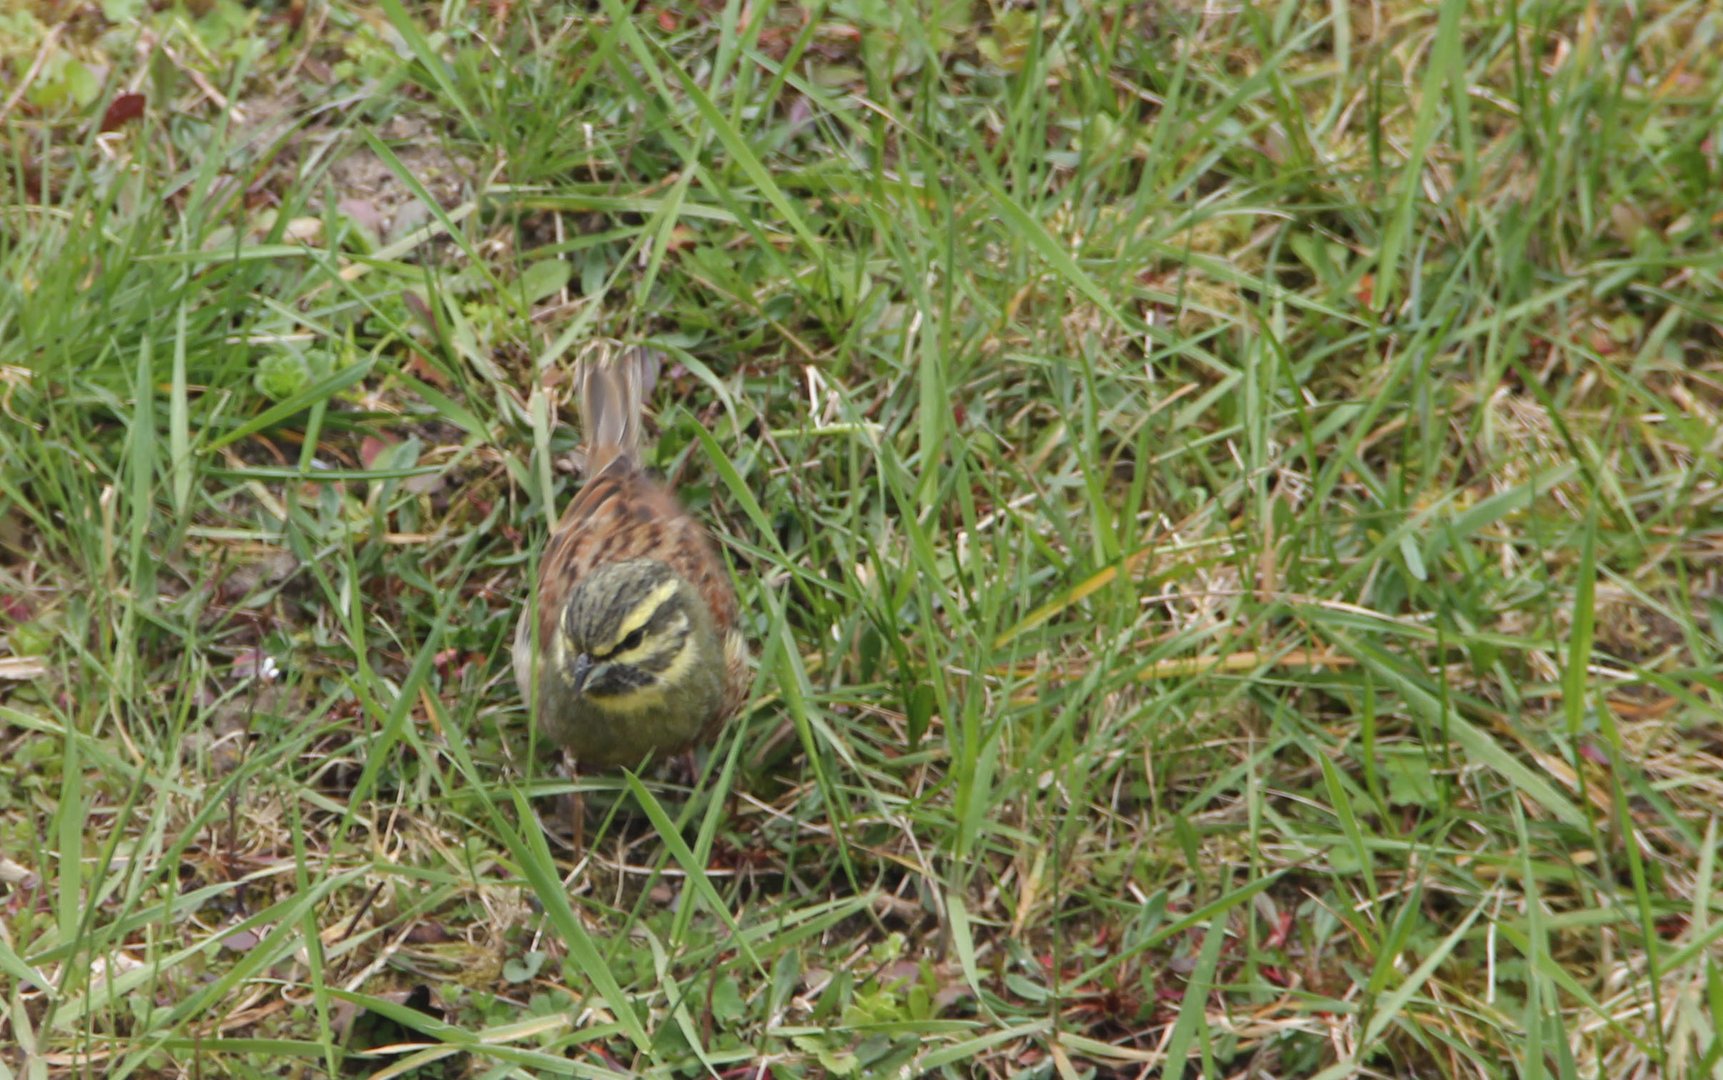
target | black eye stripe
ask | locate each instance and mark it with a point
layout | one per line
(664, 617)
(663, 644)
(668, 624)
(662, 657)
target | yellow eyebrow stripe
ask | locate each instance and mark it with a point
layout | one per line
(646, 650)
(642, 613)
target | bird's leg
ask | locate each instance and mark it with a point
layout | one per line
(576, 809)
(689, 762)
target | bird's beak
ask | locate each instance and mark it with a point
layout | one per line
(582, 668)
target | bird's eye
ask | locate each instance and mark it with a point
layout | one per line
(633, 640)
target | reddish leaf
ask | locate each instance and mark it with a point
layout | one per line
(124, 108)
(255, 664)
(1282, 928)
(1366, 291)
(426, 933)
(423, 370)
(369, 449)
(363, 211)
(241, 940)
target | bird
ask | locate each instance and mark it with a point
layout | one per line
(639, 651)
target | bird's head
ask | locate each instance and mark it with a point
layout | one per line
(634, 636)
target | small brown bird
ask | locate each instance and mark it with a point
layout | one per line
(638, 649)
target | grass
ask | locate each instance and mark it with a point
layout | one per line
(1226, 502)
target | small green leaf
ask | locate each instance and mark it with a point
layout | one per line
(1414, 558)
(1410, 782)
(833, 1061)
(919, 711)
(869, 648)
(524, 968)
(281, 374)
(543, 278)
(728, 1004)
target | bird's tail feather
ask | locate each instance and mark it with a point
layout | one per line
(613, 390)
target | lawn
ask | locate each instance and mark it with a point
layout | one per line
(1226, 502)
